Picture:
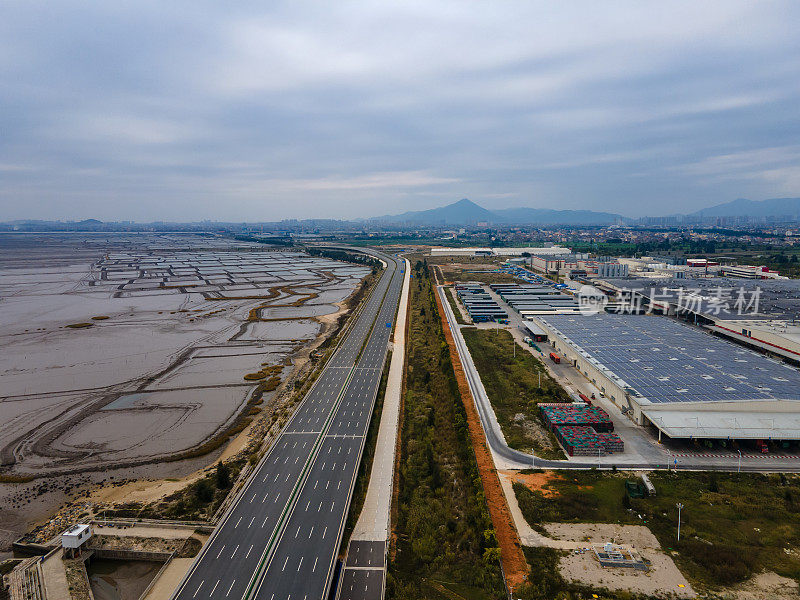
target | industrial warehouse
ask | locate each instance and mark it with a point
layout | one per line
(479, 304)
(760, 314)
(530, 300)
(683, 382)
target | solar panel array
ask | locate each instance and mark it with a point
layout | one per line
(717, 296)
(665, 361)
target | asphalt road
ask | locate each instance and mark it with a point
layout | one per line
(514, 459)
(281, 536)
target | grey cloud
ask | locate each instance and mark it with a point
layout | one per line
(182, 110)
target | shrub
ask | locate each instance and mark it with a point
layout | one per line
(223, 476)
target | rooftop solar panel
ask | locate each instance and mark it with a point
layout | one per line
(667, 361)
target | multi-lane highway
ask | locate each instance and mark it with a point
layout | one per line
(280, 538)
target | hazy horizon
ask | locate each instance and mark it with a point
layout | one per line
(195, 111)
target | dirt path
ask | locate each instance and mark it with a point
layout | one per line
(514, 565)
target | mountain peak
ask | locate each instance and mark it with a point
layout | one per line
(465, 202)
(467, 212)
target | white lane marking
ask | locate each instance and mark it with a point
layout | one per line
(234, 551)
(265, 498)
(198, 588)
(301, 563)
(253, 499)
(284, 564)
(324, 532)
(315, 565)
(214, 588)
(220, 550)
(237, 523)
(230, 588)
(310, 532)
(251, 522)
(297, 532)
(265, 521)
(249, 551)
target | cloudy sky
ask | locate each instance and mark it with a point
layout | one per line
(267, 110)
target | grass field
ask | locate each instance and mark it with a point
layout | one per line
(512, 383)
(733, 525)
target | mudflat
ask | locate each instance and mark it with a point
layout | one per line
(121, 350)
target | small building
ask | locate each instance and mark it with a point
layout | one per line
(537, 333)
(73, 539)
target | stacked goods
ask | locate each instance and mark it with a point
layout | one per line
(612, 442)
(585, 441)
(577, 416)
(580, 441)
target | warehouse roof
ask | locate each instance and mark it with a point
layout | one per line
(717, 297)
(660, 361)
(726, 424)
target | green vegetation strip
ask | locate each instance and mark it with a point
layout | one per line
(733, 525)
(512, 384)
(445, 544)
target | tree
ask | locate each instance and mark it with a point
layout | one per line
(491, 555)
(203, 491)
(223, 476)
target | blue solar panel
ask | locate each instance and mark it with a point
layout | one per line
(666, 361)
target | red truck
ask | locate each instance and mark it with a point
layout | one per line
(585, 398)
(555, 357)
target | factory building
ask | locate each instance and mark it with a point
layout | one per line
(683, 383)
(544, 251)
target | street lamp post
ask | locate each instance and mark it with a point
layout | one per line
(739, 467)
(680, 506)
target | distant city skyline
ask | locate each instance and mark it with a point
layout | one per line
(194, 111)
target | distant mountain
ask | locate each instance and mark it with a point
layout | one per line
(774, 207)
(463, 212)
(466, 212)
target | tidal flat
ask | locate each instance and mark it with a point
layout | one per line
(123, 350)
